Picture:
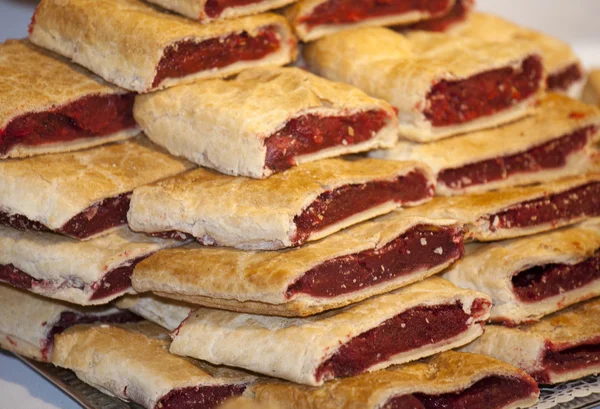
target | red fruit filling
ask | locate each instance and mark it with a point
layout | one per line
(88, 117)
(104, 215)
(562, 81)
(312, 133)
(574, 358)
(189, 57)
(457, 14)
(409, 330)
(420, 248)
(551, 155)
(541, 282)
(214, 8)
(458, 102)
(493, 392)
(348, 11)
(199, 397)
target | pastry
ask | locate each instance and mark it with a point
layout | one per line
(28, 322)
(369, 259)
(80, 194)
(517, 212)
(210, 10)
(417, 321)
(86, 273)
(313, 19)
(49, 105)
(450, 380)
(557, 141)
(450, 21)
(591, 92)
(132, 363)
(141, 49)
(306, 203)
(531, 277)
(265, 121)
(561, 347)
(441, 84)
(167, 313)
(242, 402)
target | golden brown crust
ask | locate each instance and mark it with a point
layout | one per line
(122, 53)
(167, 313)
(591, 92)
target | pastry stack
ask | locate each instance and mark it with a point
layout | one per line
(186, 223)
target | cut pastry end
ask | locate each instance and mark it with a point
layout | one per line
(563, 363)
(210, 10)
(457, 15)
(565, 79)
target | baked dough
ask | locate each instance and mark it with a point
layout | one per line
(243, 402)
(257, 282)
(52, 189)
(72, 270)
(402, 69)
(132, 363)
(591, 92)
(130, 37)
(258, 214)
(555, 117)
(224, 124)
(166, 313)
(303, 8)
(293, 348)
(489, 268)
(527, 345)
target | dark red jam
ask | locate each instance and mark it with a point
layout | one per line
(214, 8)
(493, 392)
(458, 102)
(347, 11)
(422, 247)
(88, 117)
(551, 155)
(189, 57)
(199, 397)
(541, 282)
(571, 359)
(410, 330)
(312, 133)
(562, 81)
(457, 14)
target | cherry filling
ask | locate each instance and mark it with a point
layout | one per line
(92, 116)
(458, 102)
(199, 397)
(311, 133)
(189, 57)
(562, 81)
(214, 8)
(348, 11)
(493, 392)
(541, 282)
(551, 155)
(420, 248)
(410, 330)
(457, 14)
(567, 360)
(104, 215)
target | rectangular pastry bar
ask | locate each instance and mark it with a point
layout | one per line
(306, 203)
(132, 363)
(561, 347)
(531, 277)
(86, 273)
(141, 49)
(557, 141)
(49, 105)
(417, 321)
(369, 259)
(80, 194)
(28, 322)
(440, 84)
(265, 121)
(450, 21)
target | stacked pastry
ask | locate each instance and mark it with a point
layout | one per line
(253, 244)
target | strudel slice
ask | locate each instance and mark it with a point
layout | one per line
(450, 21)
(169, 314)
(450, 380)
(85, 273)
(306, 203)
(132, 363)
(314, 19)
(417, 321)
(441, 85)
(80, 194)
(369, 259)
(591, 92)
(141, 49)
(49, 105)
(28, 322)
(531, 277)
(561, 347)
(557, 141)
(265, 121)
